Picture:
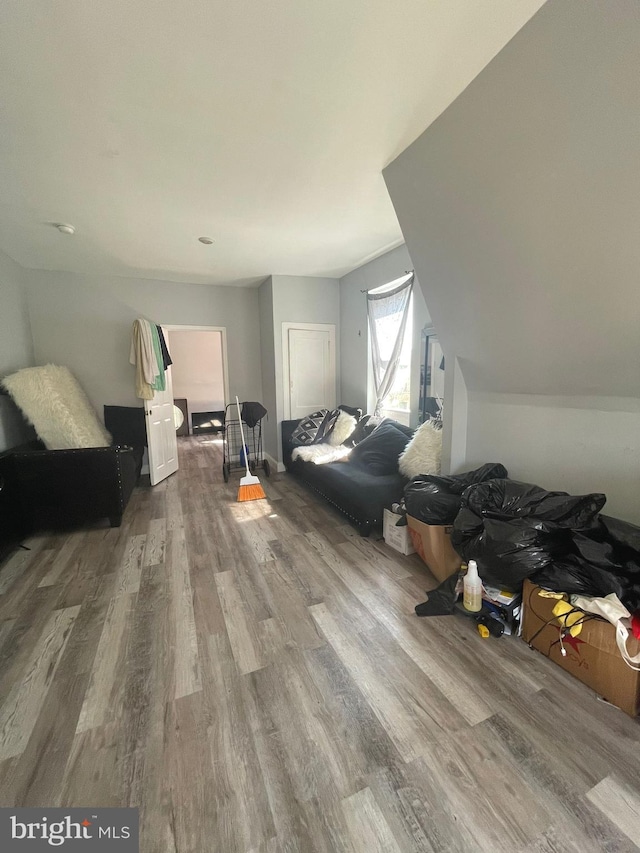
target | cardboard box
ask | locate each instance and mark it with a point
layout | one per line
(397, 537)
(592, 656)
(433, 543)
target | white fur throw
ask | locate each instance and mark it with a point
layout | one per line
(320, 454)
(51, 399)
(343, 428)
(422, 454)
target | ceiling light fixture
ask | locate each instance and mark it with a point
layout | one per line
(206, 240)
(65, 229)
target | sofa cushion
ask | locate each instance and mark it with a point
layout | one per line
(422, 454)
(379, 452)
(307, 430)
(362, 430)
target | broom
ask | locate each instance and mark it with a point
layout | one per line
(250, 488)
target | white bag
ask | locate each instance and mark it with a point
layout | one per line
(612, 609)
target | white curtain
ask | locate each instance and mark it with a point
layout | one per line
(387, 313)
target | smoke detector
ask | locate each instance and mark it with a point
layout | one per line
(206, 240)
(65, 229)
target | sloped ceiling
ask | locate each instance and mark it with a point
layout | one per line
(521, 208)
(264, 125)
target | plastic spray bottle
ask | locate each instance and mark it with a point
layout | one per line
(472, 589)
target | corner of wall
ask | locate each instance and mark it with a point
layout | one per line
(455, 417)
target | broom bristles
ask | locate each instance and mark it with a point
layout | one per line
(250, 489)
(253, 492)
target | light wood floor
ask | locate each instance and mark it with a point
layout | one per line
(252, 676)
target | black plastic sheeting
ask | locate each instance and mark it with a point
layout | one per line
(441, 600)
(604, 559)
(436, 499)
(514, 530)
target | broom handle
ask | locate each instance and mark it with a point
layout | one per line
(244, 446)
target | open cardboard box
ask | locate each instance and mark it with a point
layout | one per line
(397, 537)
(592, 656)
(433, 544)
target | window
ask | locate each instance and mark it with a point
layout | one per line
(398, 401)
(387, 315)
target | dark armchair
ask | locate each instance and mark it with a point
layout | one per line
(64, 488)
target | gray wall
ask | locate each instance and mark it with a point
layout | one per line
(84, 322)
(519, 206)
(572, 444)
(354, 361)
(16, 346)
(268, 369)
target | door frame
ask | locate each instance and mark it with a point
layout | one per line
(172, 327)
(286, 379)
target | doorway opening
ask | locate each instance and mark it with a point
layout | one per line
(200, 377)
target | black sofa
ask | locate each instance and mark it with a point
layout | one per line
(44, 489)
(358, 493)
(53, 489)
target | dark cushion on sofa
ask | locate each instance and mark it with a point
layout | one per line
(362, 430)
(378, 453)
(350, 410)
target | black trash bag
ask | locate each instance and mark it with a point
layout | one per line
(605, 560)
(625, 538)
(510, 499)
(441, 600)
(514, 530)
(575, 576)
(436, 499)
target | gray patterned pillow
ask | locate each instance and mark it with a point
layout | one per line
(307, 430)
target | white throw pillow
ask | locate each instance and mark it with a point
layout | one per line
(422, 454)
(51, 399)
(343, 428)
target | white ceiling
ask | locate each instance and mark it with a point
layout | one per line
(265, 125)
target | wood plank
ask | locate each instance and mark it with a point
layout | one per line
(155, 542)
(62, 557)
(93, 772)
(296, 624)
(185, 658)
(620, 804)
(238, 801)
(35, 775)
(376, 591)
(19, 712)
(370, 833)
(409, 731)
(16, 565)
(107, 667)
(294, 833)
(416, 807)
(243, 635)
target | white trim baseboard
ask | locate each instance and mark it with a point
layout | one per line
(274, 464)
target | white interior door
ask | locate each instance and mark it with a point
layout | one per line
(310, 369)
(162, 443)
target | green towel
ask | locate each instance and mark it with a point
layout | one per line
(160, 384)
